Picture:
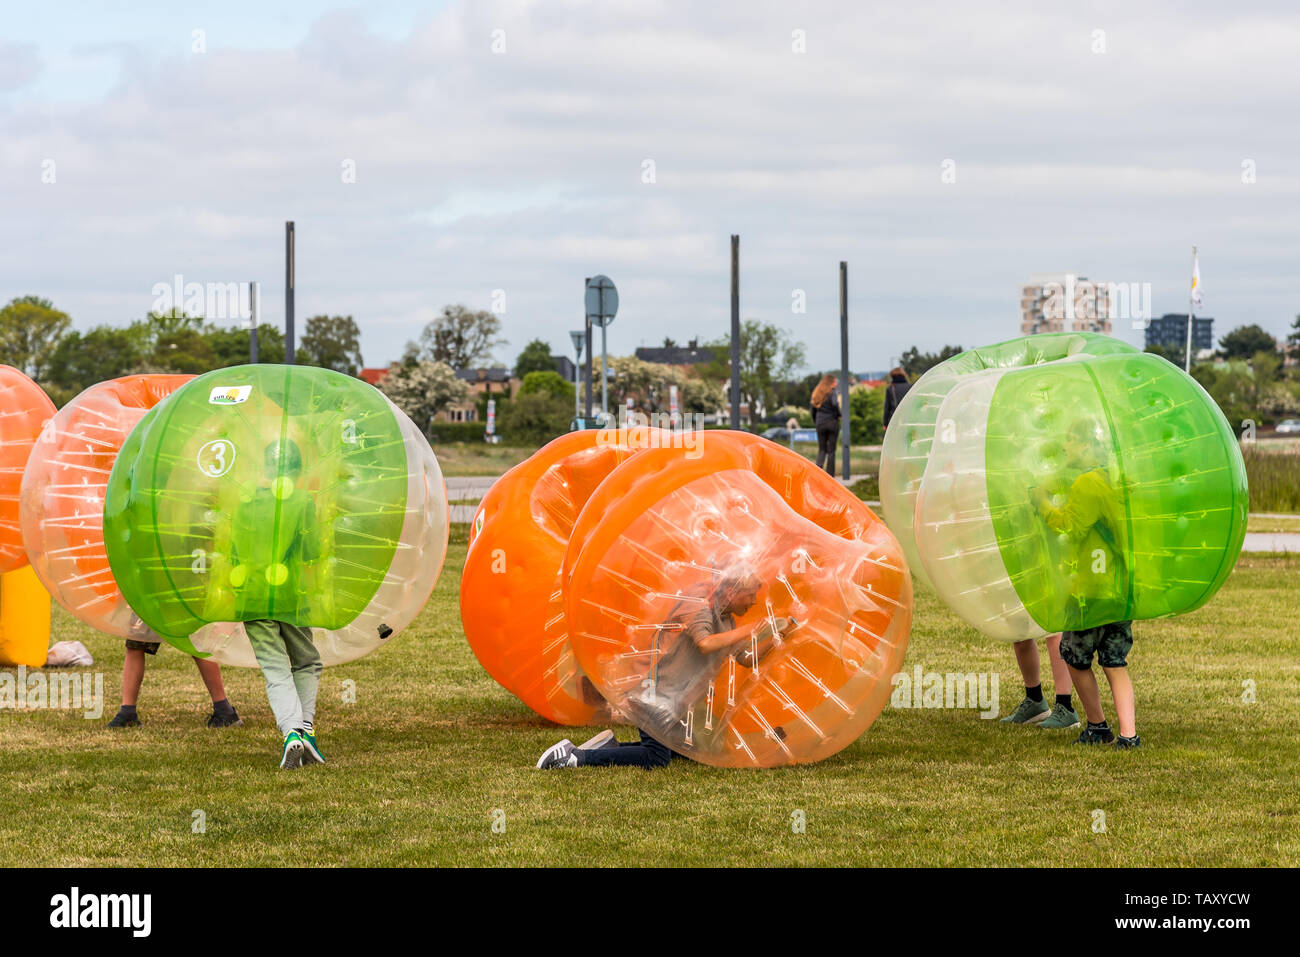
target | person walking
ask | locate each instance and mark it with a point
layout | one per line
(894, 392)
(826, 417)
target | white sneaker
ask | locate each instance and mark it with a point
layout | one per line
(605, 739)
(560, 755)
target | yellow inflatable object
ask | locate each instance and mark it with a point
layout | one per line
(24, 619)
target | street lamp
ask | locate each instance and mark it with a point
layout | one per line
(579, 337)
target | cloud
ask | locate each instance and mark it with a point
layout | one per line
(20, 64)
(523, 170)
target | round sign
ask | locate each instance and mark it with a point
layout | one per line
(602, 300)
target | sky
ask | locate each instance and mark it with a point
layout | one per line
(497, 153)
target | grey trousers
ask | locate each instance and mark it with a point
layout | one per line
(291, 666)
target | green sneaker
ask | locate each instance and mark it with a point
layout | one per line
(310, 750)
(1028, 712)
(1061, 717)
(293, 749)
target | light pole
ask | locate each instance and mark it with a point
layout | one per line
(254, 294)
(579, 337)
(289, 283)
(601, 301)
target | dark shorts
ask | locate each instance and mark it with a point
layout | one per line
(1111, 643)
(148, 647)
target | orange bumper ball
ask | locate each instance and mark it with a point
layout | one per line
(736, 602)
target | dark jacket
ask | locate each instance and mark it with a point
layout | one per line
(827, 415)
(898, 387)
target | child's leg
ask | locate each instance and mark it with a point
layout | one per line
(1062, 683)
(1029, 662)
(268, 648)
(1121, 689)
(1085, 682)
(306, 667)
(648, 754)
(132, 676)
(210, 672)
(1112, 655)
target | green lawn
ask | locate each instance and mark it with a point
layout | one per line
(1269, 524)
(432, 747)
(478, 458)
(863, 460)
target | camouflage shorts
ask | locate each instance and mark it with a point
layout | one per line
(1111, 643)
(148, 647)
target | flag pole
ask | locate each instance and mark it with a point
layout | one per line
(1191, 312)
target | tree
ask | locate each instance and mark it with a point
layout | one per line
(461, 338)
(549, 383)
(1169, 354)
(536, 357)
(916, 363)
(30, 329)
(1244, 392)
(1244, 341)
(332, 342)
(866, 415)
(175, 342)
(649, 386)
(422, 389)
(82, 359)
(536, 417)
(230, 345)
(184, 351)
(1293, 340)
(768, 355)
(797, 392)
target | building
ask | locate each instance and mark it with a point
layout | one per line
(683, 357)
(374, 376)
(565, 367)
(1169, 332)
(491, 382)
(1064, 302)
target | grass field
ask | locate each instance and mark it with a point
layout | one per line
(460, 459)
(862, 460)
(1273, 471)
(1260, 523)
(431, 748)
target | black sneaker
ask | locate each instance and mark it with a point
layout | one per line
(232, 720)
(1095, 734)
(1133, 742)
(124, 720)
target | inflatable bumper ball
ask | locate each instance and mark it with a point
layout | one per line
(63, 498)
(510, 594)
(1066, 485)
(736, 602)
(24, 410)
(276, 492)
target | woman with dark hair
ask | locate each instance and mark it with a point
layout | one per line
(826, 417)
(897, 388)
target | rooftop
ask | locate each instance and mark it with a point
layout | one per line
(675, 355)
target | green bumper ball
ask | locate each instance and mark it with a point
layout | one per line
(1060, 482)
(289, 493)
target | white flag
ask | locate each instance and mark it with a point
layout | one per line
(1197, 301)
